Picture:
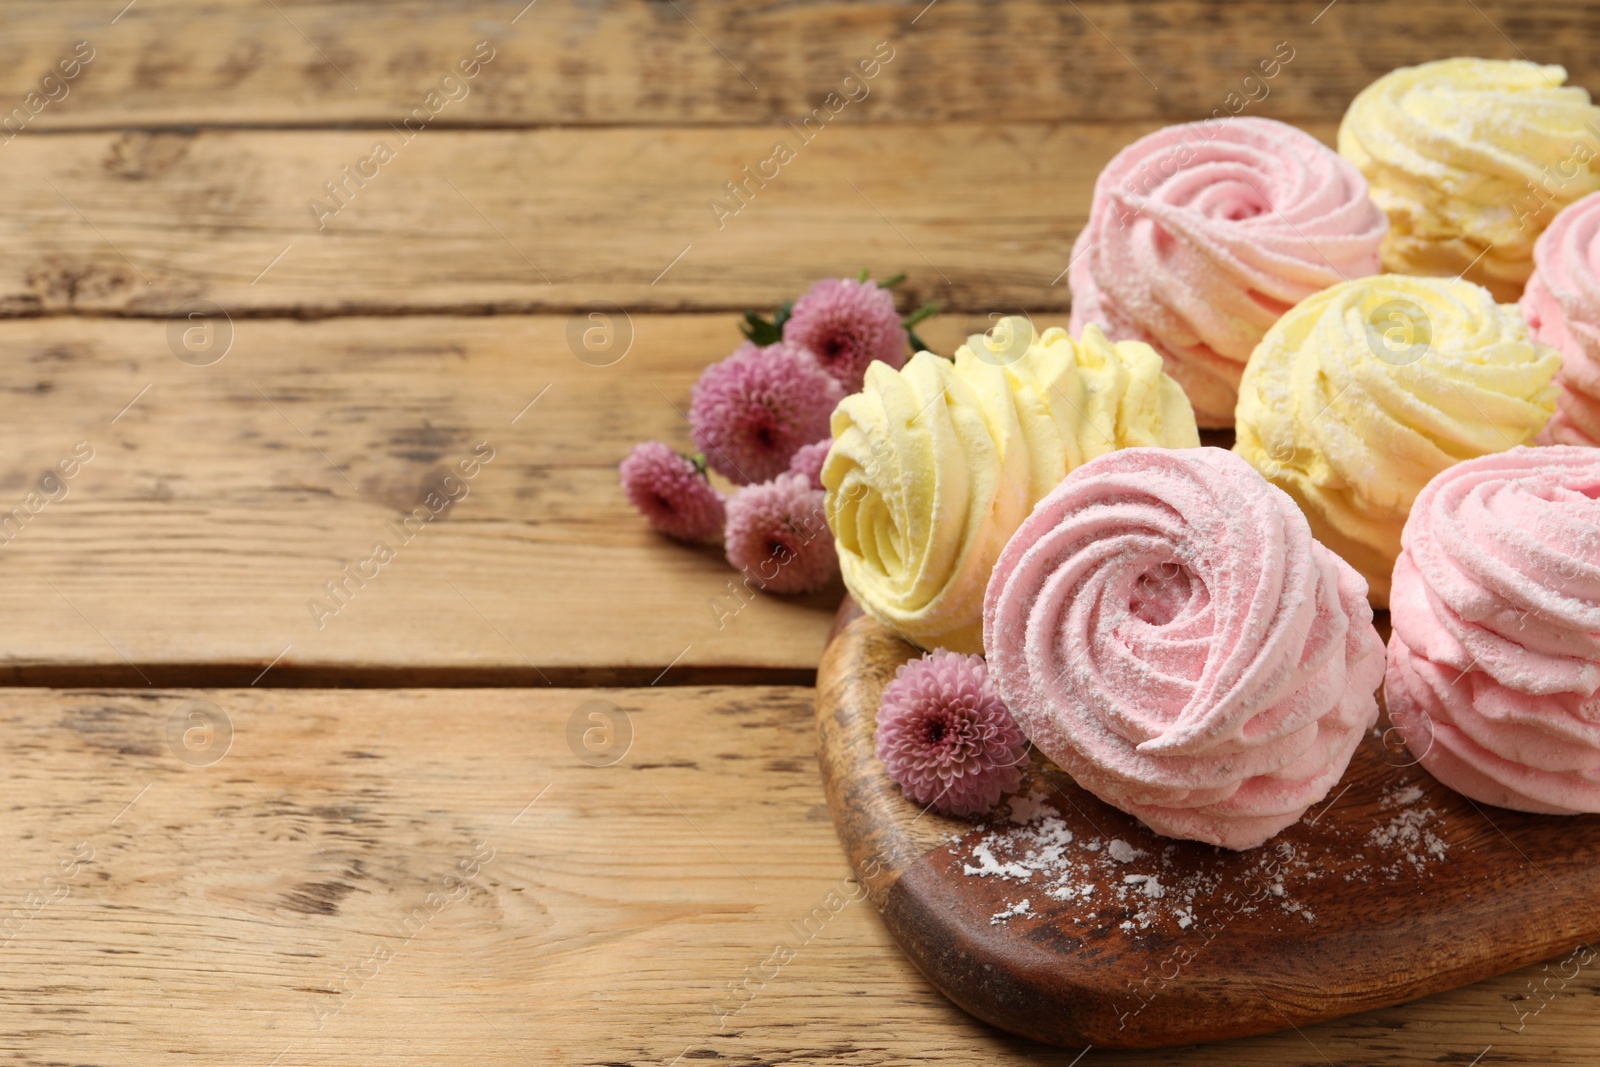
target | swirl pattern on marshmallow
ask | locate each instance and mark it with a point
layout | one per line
(1470, 159)
(1165, 628)
(1202, 235)
(1494, 661)
(1562, 306)
(934, 466)
(1362, 393)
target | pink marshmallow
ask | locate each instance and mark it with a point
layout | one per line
(1165, 627)
(1562, 306)
(1494, 662)
(1202, 235)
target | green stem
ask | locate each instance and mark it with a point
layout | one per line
(925, 311)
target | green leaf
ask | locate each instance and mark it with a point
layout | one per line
(917, 344)
(892, 281)
(863, 276)
(759, 330)
(766, 331)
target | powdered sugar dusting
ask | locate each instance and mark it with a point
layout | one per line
(1123, 852)
(988, 865)
(1409, 835)
(1021, 907)
(1034, 847)
(1147, 888)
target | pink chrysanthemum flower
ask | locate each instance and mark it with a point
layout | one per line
(847, 324)
(808, 461)
(777, 533)
(753, 410)
(945, 736)
(671, 492)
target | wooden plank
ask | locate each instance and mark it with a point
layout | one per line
(219, 500)
(277, 62)
(982, 216)
(368, 877)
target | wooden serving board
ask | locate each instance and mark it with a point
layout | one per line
(1393, 888)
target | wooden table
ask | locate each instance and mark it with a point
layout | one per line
(242, 830)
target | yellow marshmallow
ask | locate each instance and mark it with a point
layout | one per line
(933, 467)
(1362, 393)
(1471, 159)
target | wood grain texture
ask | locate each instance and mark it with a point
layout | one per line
(221, 499)
(982, 216)
(1395, 888)
(304, 899)
(165, 62)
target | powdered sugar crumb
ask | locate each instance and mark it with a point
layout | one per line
(1409, 836)
(1407, 795)
(1123, 852)
(1026, 809)
(1033, 846)
(1021, 907)
(1149, 884)
(988, 865)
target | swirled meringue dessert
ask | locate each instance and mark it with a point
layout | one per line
(934, 466)
(1362, 393)
(1201, 235)
(1494, 662)
(1165, 627)
(1562, 306)
(1471, 159)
